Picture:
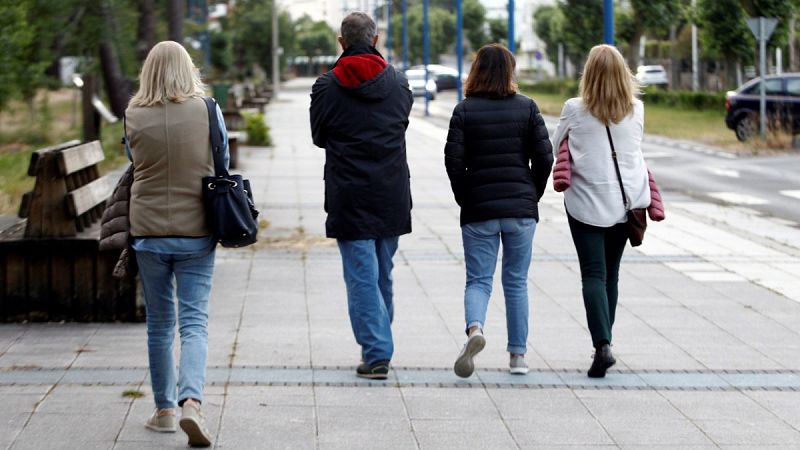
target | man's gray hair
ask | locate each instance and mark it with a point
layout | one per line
(358, 28)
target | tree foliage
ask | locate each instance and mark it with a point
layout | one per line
(585, 27)
(723, 30)
(548, 24)
(442, 29)
(251, 30)
(474, 20)
(314, 38)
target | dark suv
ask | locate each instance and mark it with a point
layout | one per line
(783, 105)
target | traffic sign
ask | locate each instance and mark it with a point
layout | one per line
(769, 25)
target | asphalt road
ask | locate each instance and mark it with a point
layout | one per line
(767, 184)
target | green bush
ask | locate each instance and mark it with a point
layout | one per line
(566, 88)
(257, 129)
(713, 101)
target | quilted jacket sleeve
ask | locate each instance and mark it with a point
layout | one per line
(562, 173)
(656, 208)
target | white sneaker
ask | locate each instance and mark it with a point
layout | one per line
(162, 420)
(517, 365)
(193, 424)
(464, 365)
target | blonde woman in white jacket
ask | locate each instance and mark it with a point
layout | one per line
(607, 109)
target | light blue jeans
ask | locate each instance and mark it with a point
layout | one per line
(481, 243)
(367, 266)
(192, 273)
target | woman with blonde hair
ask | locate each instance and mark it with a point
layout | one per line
(498, 158)
(604, 124)
(168, 140)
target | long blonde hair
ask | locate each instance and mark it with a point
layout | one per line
(608, 88)
(168, 75)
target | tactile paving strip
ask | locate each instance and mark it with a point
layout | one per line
(680, 380)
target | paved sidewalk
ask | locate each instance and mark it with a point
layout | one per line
(707, 335)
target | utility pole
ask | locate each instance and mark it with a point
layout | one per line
(695, 74)
(276, 61)
(608, 22)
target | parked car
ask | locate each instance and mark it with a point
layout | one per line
(416, 81)
(445, 77)
(782, 101)
(652, 76)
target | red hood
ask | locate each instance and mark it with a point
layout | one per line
(352, 71)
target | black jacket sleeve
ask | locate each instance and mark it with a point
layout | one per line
(317, 111)
(540, 150)
(454, 155)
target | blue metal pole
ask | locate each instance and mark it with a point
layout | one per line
(389, 39)
(425, 49)
(608, 22)
(405, 34)
(459, 46)
(511, 42)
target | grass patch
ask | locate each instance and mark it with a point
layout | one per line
(703, 126)
(23, 131)
(133, 393)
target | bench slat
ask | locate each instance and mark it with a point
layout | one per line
(25, 205)
(33, 167)
(74, 159)
(87, 197)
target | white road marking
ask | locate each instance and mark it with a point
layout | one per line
(738, 199)
(724, 172)
(793, 194)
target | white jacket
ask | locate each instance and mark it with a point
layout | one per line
(594, 196)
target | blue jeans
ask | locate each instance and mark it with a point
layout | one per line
(192, 273)
(367, 266)
(481, 243)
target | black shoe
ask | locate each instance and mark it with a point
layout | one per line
(374, 371)
(603, 359)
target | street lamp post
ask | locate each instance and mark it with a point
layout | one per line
(459, 46)
(511, 41)
(389, 38)
(405, 34)
(275, 48)
(425, 50)
(608, 22)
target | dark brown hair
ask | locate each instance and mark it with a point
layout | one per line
(492, 73)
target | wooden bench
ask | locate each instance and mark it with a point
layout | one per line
(50, 263)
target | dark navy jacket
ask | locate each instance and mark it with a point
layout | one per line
(498, 157)
(359, 115)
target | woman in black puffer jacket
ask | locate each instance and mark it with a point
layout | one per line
(498, 157)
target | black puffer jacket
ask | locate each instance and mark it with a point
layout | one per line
(498, 157)
(359, 114)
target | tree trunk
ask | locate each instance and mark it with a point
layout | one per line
(674, 62)
(118, 88)
(792, 45)
(175, 19)
(146, 33)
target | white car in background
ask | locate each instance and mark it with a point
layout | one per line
(652, 76)
(419, 88)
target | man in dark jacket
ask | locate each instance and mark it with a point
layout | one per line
(359, 115)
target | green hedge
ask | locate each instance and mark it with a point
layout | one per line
(714, 101)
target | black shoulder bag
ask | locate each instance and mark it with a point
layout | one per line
(228, 200)
(637, 217)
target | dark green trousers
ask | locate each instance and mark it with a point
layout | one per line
(599, 253)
